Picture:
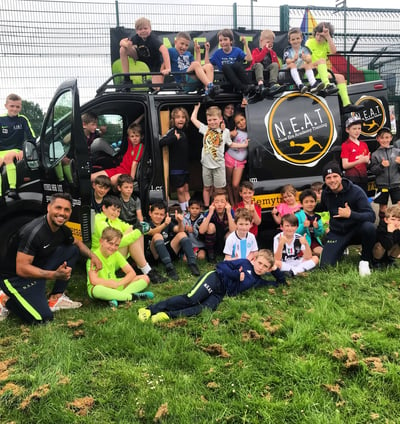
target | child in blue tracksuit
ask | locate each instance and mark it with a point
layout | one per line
(230, 278)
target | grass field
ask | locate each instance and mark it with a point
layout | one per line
(324, 349)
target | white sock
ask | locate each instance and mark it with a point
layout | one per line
(310, 76)
(145, 269)
(296, 77)
(183, 206)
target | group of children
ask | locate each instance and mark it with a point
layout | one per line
(230, 60)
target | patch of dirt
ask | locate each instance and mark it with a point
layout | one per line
(36, 395)
(216, 350)
(81, 406)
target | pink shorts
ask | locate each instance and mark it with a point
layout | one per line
(230, 162)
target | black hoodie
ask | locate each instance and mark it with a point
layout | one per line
(355, 197)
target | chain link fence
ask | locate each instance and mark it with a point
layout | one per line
(45, 42)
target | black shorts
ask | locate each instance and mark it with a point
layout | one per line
(382, 195)
(179, 180)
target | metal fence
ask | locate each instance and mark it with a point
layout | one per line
(45, 42)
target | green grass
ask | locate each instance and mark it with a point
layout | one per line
(296, 354)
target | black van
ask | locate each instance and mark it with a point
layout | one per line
(292, 136)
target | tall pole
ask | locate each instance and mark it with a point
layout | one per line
(252, 14)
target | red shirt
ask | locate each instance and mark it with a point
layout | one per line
(133, 154)
(351, 151)
(254, 227)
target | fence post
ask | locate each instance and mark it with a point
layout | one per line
(284, 17)
(117, 12)
(234, 15)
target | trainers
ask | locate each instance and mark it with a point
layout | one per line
(353, 108)
(317, 87)
(12, 194)
(214, 90)
(194, 269)
(3, 310)
(211, 256)
(331, 89)
(63, 302)
(155, 277)
(113, 303)
(363, 269)
(171, 272)
(144, 314)
(274, 89)
(160, 317)
(143, 295)
(302, 88)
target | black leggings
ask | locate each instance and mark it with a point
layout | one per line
(27, 297)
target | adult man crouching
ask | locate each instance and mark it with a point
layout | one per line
(46, 250)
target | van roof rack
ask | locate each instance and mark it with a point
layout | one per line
(141, 83)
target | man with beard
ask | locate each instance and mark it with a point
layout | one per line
(351, 218)
(46, 250)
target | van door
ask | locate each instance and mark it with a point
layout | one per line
(63, 143)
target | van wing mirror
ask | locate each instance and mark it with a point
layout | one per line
(31, 155)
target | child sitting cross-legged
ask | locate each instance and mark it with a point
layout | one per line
(132, 242)
(167, 237)
(103, 284)
(291, 250)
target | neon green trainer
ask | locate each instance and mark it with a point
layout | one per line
(161, 316)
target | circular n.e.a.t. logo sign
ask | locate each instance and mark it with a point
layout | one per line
(300, 128)
(373, 115)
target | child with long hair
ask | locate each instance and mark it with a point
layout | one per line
(288, 205)
(235, 158)
(178, 144)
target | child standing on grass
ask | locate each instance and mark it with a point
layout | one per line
(103, 284)
(131, 210)
(178, 145)
(217, 224)
(230, 278)
(167, 238)
(191, 221)
(146, 47)
(235, 158)
(241, 244)
(131, 158)
(246, 192)
(288, 205)
(291, 250)
(310, 223)
(387, 246)
(385, 164)
(296, 56)
(355, 154)
(212, 154)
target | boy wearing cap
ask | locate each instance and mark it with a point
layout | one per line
(355, 154)
(385, 164)
(351, 218)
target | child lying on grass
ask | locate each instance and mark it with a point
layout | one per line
(230, 278)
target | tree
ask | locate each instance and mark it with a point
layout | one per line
(35, 115)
